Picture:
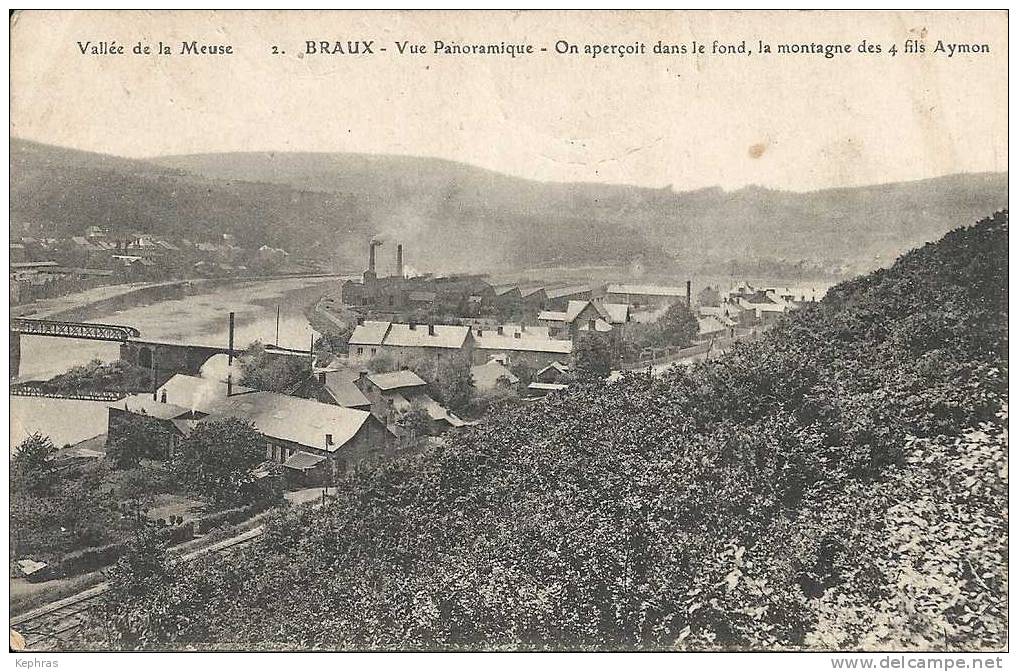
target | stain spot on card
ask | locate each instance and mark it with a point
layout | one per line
(757, 150)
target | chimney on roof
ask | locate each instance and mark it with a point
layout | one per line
(413, 325)
(399, 260)
(500, 330)
(360, 321)
(371, 256)
(321, 377)
(431, 330)
(689, 294)
(328, 440)
(362, 379)
(162, 397)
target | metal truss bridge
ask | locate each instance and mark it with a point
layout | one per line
(86, 330)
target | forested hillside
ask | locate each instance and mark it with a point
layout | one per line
(841, 483)
(453, 216)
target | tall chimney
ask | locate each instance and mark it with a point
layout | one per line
(689, 294)
(431, 329)
(371, 256)
(399, 260)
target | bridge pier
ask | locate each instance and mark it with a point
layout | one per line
(15, 348)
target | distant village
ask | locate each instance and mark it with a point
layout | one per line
(42, 266)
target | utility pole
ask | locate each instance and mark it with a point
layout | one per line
(229, 365)
(155, 375)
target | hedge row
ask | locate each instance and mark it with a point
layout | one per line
(97, 557)
(230, 516)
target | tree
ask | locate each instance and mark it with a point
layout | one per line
(98, 375)
(133, 439)
(381, 363)
(678, 325)
(217, 459)
(593, 357)
(335, 341)
(263, 371)
(524, 371)
(453, 384)
(708, 296)
(415, 421)
(32, 463)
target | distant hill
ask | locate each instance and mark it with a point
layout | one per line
(452, 215)
(70, 190)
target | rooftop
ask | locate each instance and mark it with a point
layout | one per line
(302, 461)
(396, 380)
(649, 290)
(491, 340)
(291, 419)
(420, 336)
(559, 292)
(370, 333)
(144, 404)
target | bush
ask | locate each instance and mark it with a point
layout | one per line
(229, 516)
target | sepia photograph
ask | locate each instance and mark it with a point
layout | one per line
(509, 331)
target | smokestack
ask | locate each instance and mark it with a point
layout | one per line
(431, 330)
(689, 294)
(399, 260)
(229, 364)
(371, 256)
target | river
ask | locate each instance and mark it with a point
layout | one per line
(201, 317)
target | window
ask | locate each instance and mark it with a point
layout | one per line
(360, 351)
(373, 351)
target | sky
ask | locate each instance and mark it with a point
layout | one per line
(797, 122)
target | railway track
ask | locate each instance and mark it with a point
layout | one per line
(45, 627)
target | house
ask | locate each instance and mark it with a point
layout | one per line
(647, 296)
(531, 345)
(586, 316)
(334, 387)
(491, 374)
(393, 393)
(404, 342)
(760, 306)
(555, 372)
(712, 327)
(559, 298)
(338, 439)
(534, 298)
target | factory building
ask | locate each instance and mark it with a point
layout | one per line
(461, 294)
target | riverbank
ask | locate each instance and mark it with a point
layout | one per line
(85, 305)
